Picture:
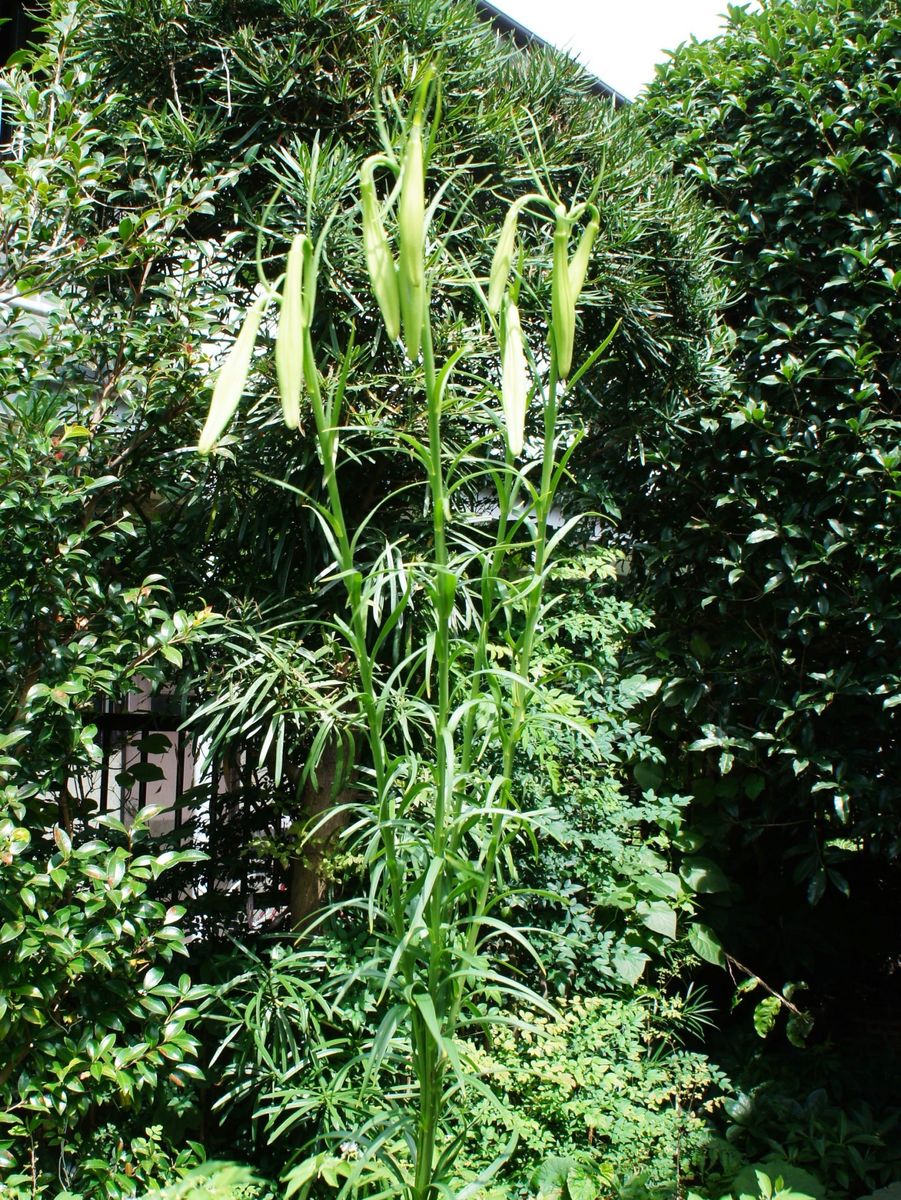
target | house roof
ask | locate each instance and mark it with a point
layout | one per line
(526, 37)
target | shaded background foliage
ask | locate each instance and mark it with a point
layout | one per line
(171, 129)
(766, 534)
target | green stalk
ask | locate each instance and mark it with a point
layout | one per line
(443, 581)
(328, 444)
(426, 1054)
(542, 514)
(520, 693)
(491, 566)
(430, 1088)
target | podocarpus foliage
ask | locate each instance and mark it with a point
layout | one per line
(435, 727)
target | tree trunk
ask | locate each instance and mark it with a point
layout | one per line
(308, 887)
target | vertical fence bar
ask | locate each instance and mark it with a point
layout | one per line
(213, 821)
(179, 778)
(104, 767)
(142, 783)
(122, 787)
(244, 795)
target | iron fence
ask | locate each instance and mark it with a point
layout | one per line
(220, 804)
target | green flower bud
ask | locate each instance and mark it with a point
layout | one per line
(503, 260)
(411, 240)
(379, 260)
(563, 304)
(515, 385)
(289, 340)
(232, 379)
(578, 266)
(308, 286)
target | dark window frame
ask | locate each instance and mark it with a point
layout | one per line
(17, 29)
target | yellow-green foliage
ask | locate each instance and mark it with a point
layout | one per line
(213, 1181)
(603, 1082)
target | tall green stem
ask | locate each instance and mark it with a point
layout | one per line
(426, 1054)
(519, 698)
(327, 437)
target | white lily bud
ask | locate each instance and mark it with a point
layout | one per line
(578, 266)
(289, 340)
(563, 304)
(379, 260)
(502, 261)
(232, 379)
(411, 240)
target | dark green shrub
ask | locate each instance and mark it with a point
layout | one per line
(90, 1025)
(768, 519)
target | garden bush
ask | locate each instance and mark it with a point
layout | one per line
(766, 535)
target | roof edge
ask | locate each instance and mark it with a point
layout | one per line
(523, 37)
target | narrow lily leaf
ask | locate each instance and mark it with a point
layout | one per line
(289, 341)
(426, 1006)
(379, 260)
(504, 253)
(308, 286)
(386, 1031)
(563, 305)
(232, 379)
(514, 380)
(411, 240)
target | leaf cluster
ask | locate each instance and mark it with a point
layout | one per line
(768, 523)
(88, 1018)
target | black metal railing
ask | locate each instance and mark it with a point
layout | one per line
(222, 805)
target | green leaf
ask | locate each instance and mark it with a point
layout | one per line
(172, 654)
(765, 1013)
(63, 841)
(152, 978)
(658, 917)
(664, 885)
(629, 962)
(648, 776)
(703, 876)
(798, 1028)
(706, 944)
(100, 956)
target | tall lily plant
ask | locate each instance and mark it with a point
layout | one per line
(435, 814)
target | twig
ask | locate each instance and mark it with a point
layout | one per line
(175, 89)
(733, 962)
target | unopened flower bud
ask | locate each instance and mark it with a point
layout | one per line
(289, 340)
(232, 379)
(411, 240)
(578, 266)
(502, 261)
(563, 305)
(379, 260)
